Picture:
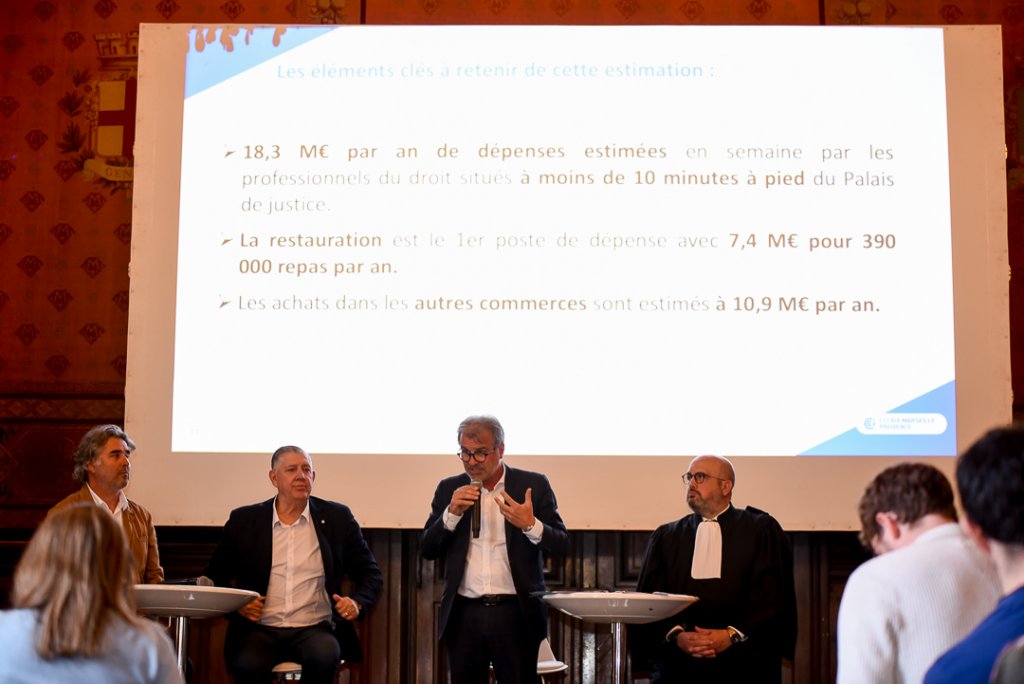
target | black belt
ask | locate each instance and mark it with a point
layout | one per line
(490, 599)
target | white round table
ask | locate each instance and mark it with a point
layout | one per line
(618, 608)
(180, 602)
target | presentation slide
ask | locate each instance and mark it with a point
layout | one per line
(628, 243)
(646, 229)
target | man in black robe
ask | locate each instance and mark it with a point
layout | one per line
(739, 564)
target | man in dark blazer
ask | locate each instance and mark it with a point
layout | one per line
(294, 549)
(492, 561)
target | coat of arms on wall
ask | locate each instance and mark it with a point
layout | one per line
(100, 133)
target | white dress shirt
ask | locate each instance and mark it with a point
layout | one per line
(296, 596)
(487, 566)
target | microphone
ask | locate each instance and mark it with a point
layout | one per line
(476, 509)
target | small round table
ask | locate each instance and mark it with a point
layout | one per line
(618, 608)
(181, 602)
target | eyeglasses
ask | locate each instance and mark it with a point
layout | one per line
(479, 456)
(699, 477)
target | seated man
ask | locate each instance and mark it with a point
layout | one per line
(929, 586)
(103, 466)
(738, 562)
(990, 477)
(294, 549)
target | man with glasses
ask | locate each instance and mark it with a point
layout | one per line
(738, 562)
(494, 562)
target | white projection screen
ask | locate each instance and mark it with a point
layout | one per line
(633, 245)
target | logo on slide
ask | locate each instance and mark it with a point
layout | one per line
(904, 424)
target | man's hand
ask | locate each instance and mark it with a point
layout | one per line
(519, 514)
(720, 638)
(463, 499)
(253, 609)
(696, 644)
(346, 607)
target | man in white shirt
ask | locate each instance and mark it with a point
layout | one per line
(492, 524)
(927, 588)
(294, 549)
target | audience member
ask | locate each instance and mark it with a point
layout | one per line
(74, 615)
(990, 477)
(929, 586)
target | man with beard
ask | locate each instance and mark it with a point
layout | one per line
(738, 562)
(103, 466)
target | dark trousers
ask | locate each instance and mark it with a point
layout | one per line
(251, 650)
(479, 636)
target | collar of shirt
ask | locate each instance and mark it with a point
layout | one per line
(304, 516)
(121, 507)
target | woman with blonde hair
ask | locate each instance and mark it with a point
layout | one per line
(74, 609)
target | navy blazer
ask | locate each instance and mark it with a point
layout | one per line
(525, 558)
(245, 553)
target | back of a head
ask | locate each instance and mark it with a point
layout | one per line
(910, 491)
(76, 573)
(990, 477)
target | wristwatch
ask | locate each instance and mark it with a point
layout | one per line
(736, 636)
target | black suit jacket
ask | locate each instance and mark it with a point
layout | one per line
(525, 558)
(244, 555)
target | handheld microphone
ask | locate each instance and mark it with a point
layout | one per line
(476, 510)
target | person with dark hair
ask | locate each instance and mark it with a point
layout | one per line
(102, 464)
(739, 564)
(74, 615)
(493, 564)
(990, 477)
(294, 549)
(927, 588)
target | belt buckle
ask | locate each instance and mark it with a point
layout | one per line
(490, 599)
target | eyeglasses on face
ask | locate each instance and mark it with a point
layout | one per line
(699, 477)
(479, 456)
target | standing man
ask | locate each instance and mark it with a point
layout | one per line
(738, 562)
(990, 476)
(103, 466)
(929, 586)
(492, 564)
(294, 549)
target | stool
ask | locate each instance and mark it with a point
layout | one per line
(287, 672)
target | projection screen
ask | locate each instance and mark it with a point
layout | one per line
(633, 245)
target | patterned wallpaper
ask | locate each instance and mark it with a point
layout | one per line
(66, 129)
